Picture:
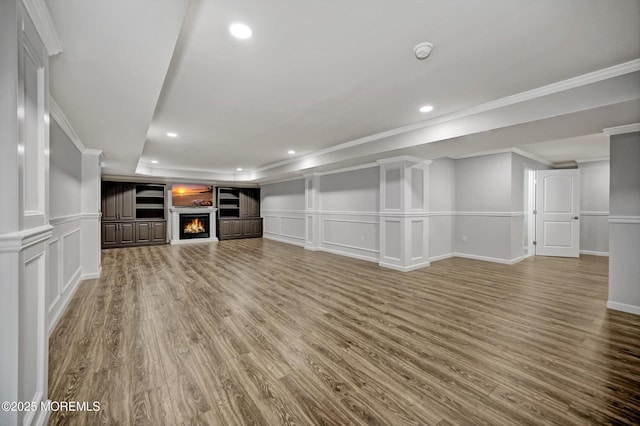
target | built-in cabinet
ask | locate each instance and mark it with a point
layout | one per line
(239, 213)
(133, 214)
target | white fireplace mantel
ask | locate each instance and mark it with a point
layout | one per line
(175, 224)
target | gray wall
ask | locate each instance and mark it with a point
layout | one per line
(483, 222)
(65, 174)
(594, 207)
(349, 203)
(65, 252)
(282, 207)
(480, 199)
(625, 175)
(442, 203)
(483, 184)
(353, 191)
(283, 196)
(624, 229)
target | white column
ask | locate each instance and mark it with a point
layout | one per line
(91, 214)
(313, 237)
(404, 213)
(624, 219)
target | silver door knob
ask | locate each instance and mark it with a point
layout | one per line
(576, 217)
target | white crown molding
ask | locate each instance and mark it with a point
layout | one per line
(39, 13)
(273, 182)
(518, 151)
(560, 86)
(348, 169)
(619, 130)
(58, 115)
(592, 160)
(533, 157)
(96, 152)
(404, 158)
(565, 165)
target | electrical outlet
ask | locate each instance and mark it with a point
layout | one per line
(463, 238)
(362, 239)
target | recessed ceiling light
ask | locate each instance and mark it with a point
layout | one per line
(154, 161)
(291, 152)
(172, 134)
(240, 31)
(239, 169)
(426, 108)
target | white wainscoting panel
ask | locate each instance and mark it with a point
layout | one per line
(392, 238)
(54, 287)
(350, 235)
(65, 262)
(292, 227)
(287, 226)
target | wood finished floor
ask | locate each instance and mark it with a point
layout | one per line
(260, 332)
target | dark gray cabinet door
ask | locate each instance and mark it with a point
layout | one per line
(143, 232)
(109, 202)
(127, 233)
(159, 232)
(249, 202)
(109, 234)
(127, 201)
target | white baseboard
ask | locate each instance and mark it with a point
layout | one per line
(344, 253)
(441, 257)
(595, 253)
(91, 276)
(43, 418)
(404, 268)
(489, 259)
(283, 240)
(632, 309)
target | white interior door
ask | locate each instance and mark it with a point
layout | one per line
(558, 213)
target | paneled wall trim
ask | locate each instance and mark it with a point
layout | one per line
(24, 216)
(404, 213)
(635, 220)
(286, 226)
(313, 224)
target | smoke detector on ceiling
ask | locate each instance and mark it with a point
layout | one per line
(423, 50)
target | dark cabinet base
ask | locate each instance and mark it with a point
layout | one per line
(134, 233)
(229, 229)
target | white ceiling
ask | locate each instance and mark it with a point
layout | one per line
(319, 74)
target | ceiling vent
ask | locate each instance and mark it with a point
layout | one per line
(423, 50)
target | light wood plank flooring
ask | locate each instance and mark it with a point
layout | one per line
(260, 332)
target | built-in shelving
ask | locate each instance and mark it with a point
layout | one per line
(133, 214)
(239, 213)
(228, 202)
(150, 201)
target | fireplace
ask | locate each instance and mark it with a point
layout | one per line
(207, 220)
(194, 225)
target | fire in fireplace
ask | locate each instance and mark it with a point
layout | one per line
(194, 226)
